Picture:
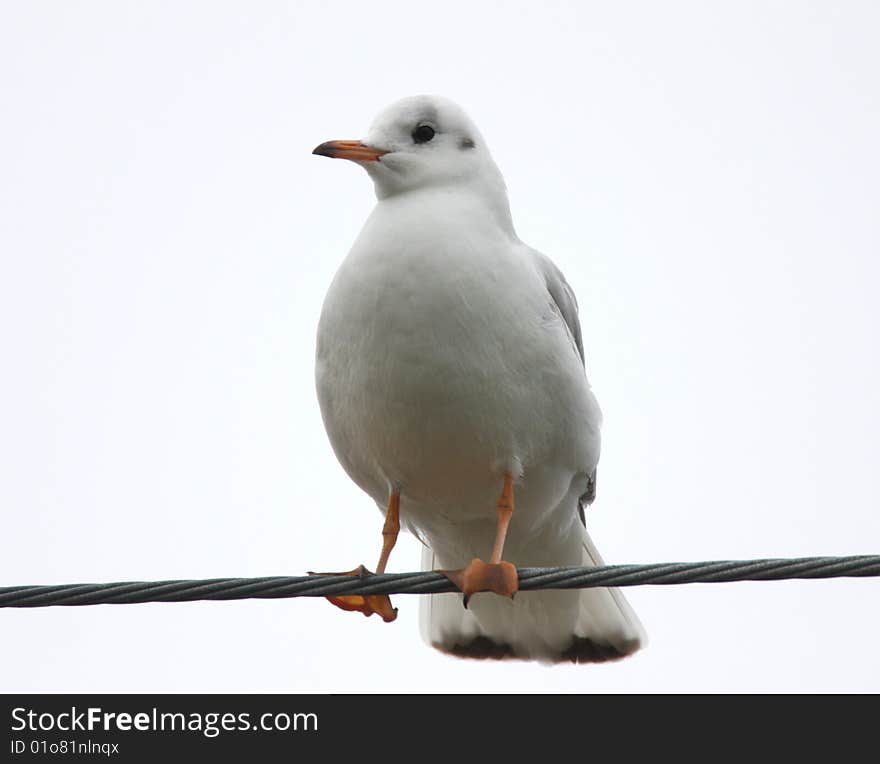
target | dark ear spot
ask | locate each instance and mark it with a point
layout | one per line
(466, 143)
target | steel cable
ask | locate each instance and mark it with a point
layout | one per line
(431, 582)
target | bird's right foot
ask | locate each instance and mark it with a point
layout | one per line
(380, 604)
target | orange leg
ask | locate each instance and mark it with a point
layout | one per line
(375, 603)
(505, 511)
(389, 531)
(497, 575)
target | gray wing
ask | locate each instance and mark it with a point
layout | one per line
(566, 302)
(563, 296)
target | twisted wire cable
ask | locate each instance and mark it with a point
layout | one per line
(432, 582)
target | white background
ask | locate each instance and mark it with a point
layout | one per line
(706, 175)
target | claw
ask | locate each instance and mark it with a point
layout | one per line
(362, 603)
(367, 604)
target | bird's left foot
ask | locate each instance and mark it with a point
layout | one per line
(500, 577)
(362, 603)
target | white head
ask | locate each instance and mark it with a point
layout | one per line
(422, 142)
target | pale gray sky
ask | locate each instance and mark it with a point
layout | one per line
(705, 174)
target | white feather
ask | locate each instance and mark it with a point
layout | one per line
(537, 625)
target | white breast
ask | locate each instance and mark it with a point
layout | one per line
(442, 362)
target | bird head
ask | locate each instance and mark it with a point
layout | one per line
(421, 142)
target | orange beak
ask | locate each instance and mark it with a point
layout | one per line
(354, 150)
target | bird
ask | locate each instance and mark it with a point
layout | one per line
(450, 374)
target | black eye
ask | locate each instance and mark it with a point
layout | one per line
(423, 134)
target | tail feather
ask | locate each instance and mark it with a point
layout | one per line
(552, 626)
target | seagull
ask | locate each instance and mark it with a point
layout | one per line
(451, 380)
